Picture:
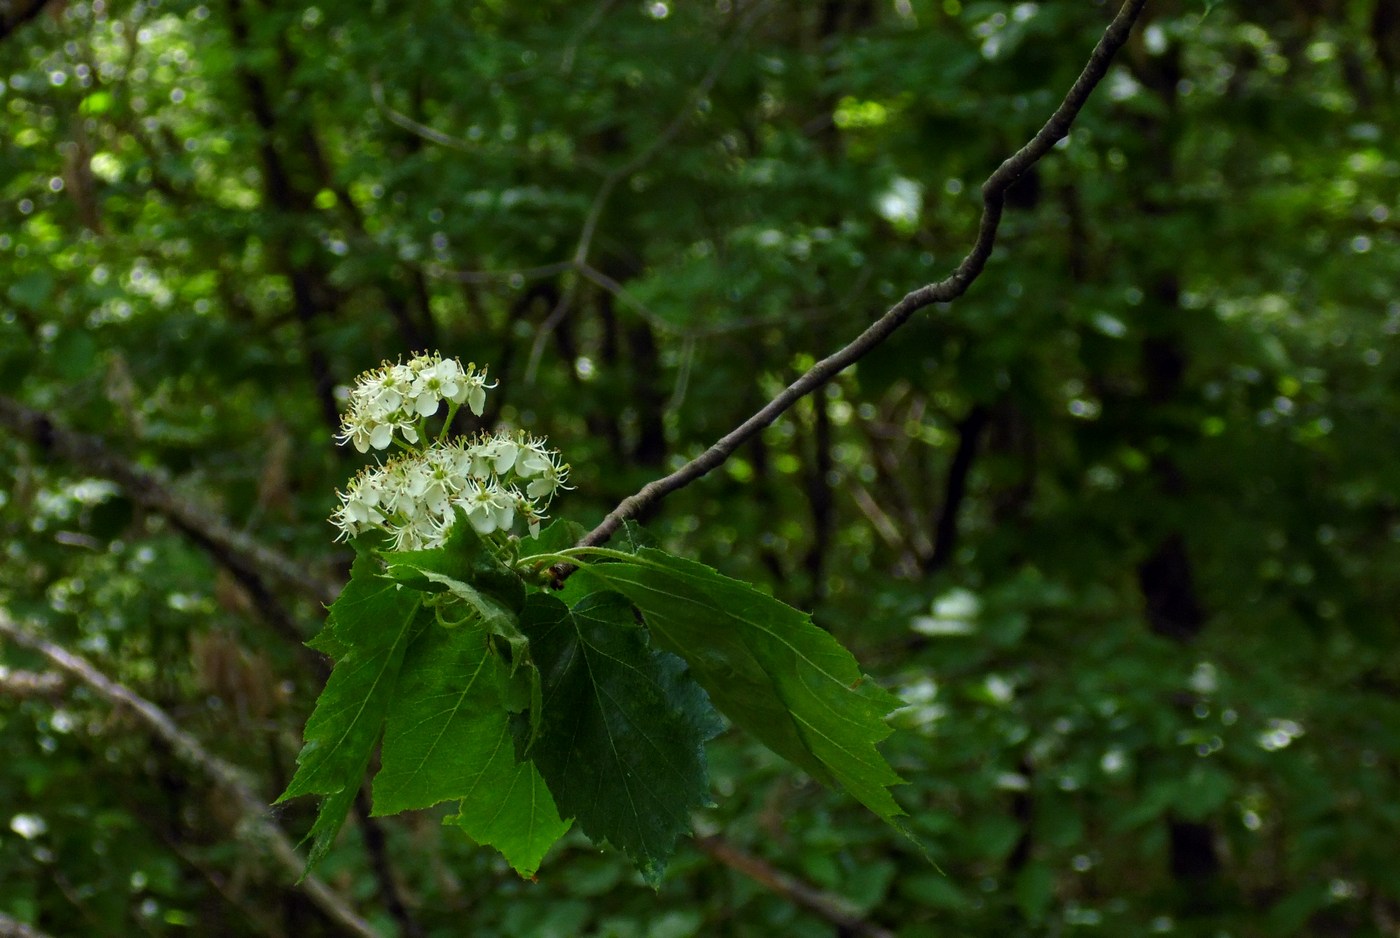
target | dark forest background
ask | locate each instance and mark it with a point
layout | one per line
(1121, 525)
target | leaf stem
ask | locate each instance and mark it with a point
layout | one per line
(536, 561)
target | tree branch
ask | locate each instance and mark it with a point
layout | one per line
(22, 685)
(834, 909)
(256, 823)
(945, 539)
(578, 261)
(944, 291)
(251, 562)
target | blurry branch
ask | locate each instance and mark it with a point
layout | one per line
(566, 61)
(487, 276)
(25, 684)
(970, 430)
(944, 291)
(579, 261)
(404, 122)
(377, 849)
(663, 139)
(258, 912)
(256, 823)
(909, 537)
(249, 561)
(834, 909)
(14, 928)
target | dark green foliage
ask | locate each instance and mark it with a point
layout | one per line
(1118, 527)
(622, 733)
(768, 668)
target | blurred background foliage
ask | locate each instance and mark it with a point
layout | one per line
(1121, 525)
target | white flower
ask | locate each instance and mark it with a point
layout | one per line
(394, 397)
(543, 487)
(360, 505)
(435, 379)
(533, 458)
(472, 390)
(413, 497)
(487, 507)
(492, 455)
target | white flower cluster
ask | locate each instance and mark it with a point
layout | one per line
(414, 497)
(396, 398)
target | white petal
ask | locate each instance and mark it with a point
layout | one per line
(505, 456)
(482, 519)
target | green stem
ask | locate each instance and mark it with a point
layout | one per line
(447, 623)
(537, 561)
(447, 423)
(572, 554)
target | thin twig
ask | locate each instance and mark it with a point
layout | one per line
(551, 322)
(946, 290)
(489, 276)
(566, 61)
(661, 140)
(834, 909)
(404, 122)
(256, 823)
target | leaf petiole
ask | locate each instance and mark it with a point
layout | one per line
(540, 561)
(450, 623)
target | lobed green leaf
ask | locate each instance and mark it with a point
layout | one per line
(447, 736)
(507, 805)
(768, 668)
(370, 623)
(622, 735)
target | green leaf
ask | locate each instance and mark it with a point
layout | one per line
(441, 721)
(632, 537)
(447, 736)
(370, 623)
(622, 735)
(486, 609)
(513, 671)
(507, 805)
(329, 819)
(468, 559)
(768, 668)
